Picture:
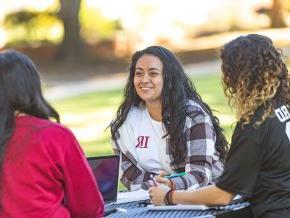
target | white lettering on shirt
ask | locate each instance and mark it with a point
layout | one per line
(282, 113)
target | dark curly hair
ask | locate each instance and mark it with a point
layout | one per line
(20, 91)
(253, 75)
(177, 90)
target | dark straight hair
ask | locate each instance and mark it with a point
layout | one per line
(177, 90)
(20, 91)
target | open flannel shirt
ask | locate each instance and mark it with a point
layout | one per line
(202, 162)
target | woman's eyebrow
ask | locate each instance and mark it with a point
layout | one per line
(154, 68)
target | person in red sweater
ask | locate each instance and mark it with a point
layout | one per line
(43, 171)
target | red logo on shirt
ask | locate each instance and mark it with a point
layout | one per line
(142, 142)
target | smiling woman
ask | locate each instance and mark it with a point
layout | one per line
(148, 82)
(164, 127)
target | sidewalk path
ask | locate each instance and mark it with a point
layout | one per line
(116, 81)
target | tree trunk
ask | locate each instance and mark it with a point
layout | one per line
(277, 14)
(71, 45)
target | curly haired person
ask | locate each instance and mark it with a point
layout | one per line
(256, 82)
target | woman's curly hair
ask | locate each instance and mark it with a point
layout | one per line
(253, 75)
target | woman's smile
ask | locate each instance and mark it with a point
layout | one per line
(148, 78)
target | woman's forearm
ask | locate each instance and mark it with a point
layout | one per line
(210, 195)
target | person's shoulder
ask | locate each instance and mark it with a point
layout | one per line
(196, 114)
(46, 135)
(278, 121)
(47, 128)
(259, 129)
(193, 109)
(56, 130)
(57, 139)
(281, 113)
(278, 117)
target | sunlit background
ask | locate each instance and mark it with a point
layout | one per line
(132, 24)
(78, 43)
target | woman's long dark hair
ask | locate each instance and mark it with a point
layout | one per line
(177, 90)
(20, 91)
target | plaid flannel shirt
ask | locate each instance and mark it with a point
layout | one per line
(202, 162)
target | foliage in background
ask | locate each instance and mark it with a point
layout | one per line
(29, 27)
(33, 28)
(26, 28)
(95, 26)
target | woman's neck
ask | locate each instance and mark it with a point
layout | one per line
(155, 111)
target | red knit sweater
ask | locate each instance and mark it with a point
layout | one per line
(45, 174)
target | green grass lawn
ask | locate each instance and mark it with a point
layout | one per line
(88, 115)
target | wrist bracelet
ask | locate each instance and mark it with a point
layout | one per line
(168, 197)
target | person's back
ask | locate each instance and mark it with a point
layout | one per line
(43, 171)
(265, 170)
(256, 81)
(43, 164)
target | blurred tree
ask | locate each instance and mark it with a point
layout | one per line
(76, 28)
(71, 46)
(96, 27)
(276, 13)
(32, 28)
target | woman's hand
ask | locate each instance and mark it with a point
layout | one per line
(157, 194)
(160, 179)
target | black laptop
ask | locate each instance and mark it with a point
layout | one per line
(106, 172)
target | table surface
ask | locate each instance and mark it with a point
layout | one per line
(135, 209)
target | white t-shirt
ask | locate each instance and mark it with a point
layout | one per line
(143, 137)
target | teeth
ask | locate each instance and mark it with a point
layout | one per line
(145, 88)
